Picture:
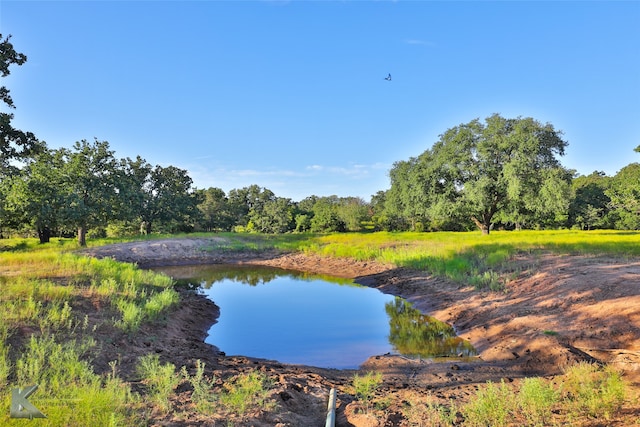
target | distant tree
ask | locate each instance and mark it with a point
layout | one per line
(37, 196)
(167, 197)
(242, 201)
(325, 216)
(90, 182)
(624, 192)
(215, 209)
(477, 170)
(353, 212)
(589, 207)
(406, 201)
(274, 216)
(14, 144)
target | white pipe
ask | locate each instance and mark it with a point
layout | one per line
(331, 409)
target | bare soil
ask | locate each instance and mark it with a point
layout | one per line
(556, 310)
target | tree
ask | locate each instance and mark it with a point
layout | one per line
(90, 178)
(325, 216)
(353, 212)
(242, 201)
(274, 216)
(624, 193)
(477, 170)
(214, 206)
(14, 144)
(166, 197)
(37, 196)
(589, 206)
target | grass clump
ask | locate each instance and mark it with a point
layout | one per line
(202, 395)
(246, 392)
(69, 393)
(593, 391)
(160, 379)
(365, 387)
(492, 406)
(535, 400)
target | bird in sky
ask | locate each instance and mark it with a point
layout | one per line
(388, 77)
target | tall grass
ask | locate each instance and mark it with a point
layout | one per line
(39, 287)
(469, 257)
(69, 393)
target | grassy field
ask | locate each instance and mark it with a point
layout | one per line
(46, 340)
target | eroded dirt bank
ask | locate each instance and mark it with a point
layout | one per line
(557, 309)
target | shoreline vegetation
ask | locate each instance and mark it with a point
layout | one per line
(60, 312)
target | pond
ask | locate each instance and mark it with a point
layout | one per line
(301, 318)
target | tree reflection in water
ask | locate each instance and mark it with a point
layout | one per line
(415, 334)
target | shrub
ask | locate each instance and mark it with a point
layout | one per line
(161, 380)
(365, 386)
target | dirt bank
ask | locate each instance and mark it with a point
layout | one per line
(556, 309)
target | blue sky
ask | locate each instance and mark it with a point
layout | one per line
(291, 96)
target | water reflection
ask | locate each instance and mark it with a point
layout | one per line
(415, 334)
(314, 320)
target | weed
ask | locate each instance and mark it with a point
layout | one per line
(491, 407)
(245, 392)
(202, 395)
(536, 397)
(365, 387)
(132, 316)
(430, 414)
(161, 380)
(593, 391)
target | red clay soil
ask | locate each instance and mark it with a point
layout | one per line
(557, 310)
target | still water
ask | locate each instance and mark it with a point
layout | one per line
(301, 318)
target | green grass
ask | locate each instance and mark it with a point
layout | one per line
(469, 257)
(246, 392)
(160, 379)
(52, 344)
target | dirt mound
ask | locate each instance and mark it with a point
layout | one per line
(558, 309)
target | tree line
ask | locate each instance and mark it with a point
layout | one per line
(499, 172)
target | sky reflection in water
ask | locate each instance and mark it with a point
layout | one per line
(307, 319)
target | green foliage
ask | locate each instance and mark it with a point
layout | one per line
(365, 387)
(624, 193)
(491, 406)
(69, 393)
(536, 399)
(14, 144)
(246, 392)
(160, 379)
(478, 170)
(202, 395)
(593, 391)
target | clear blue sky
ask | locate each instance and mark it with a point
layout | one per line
(291, 96)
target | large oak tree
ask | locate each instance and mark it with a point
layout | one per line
(479, 170)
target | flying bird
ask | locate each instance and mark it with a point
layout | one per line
(388, 77)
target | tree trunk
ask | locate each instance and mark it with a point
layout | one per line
(484, 226)
(82, 236)
(148, 228)
(44, 234)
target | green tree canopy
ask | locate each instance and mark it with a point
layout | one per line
(37, 196)
(215, 210)
(589, 206)
(624, 193)
(14, 144)
(478, 170)
(90, 179)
